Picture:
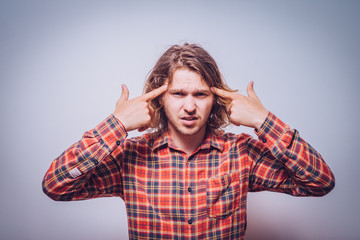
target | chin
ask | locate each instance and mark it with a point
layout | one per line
(189, 132)
(186, 130)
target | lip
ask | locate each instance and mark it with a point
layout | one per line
(189, 120)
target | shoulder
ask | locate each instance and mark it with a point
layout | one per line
(232, 137)
(243, 143)
(231, 140)
(142, 141)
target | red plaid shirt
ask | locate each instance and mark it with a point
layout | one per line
(170, 195)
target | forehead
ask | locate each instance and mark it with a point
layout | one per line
(185, 78)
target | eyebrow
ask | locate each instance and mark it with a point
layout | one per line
(196, 91)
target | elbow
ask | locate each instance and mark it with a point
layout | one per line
(54, 193)
(330, 186)
(318, 188)
(57, 197)
(50, 192)
(327, 188)
(52, 196)
(331, 183)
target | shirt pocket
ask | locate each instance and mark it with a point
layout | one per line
(223, 195)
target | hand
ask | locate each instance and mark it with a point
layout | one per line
(136, 113)
(244, 110)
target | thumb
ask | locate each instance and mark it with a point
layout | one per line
(124, 93)
(250, 89)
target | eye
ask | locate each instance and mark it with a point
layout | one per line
(200, 94)
(179, 94)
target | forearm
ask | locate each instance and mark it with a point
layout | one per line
(75, 174)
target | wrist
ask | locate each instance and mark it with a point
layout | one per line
(261, 119)
(121, 123)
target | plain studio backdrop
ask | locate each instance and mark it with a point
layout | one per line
(62, 64)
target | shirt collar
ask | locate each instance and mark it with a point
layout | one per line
(211, 140)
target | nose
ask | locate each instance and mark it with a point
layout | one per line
(189, 105)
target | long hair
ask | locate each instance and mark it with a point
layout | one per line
(197, 59)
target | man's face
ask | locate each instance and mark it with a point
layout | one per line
(187, 103)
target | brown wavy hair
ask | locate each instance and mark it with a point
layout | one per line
(197, 59)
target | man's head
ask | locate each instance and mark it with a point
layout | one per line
(194, 58)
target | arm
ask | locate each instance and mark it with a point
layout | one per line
(87, 169)
(91, 167)
(282, 161)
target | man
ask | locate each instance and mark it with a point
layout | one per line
(186, 178)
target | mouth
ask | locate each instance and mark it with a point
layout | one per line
(189, 120)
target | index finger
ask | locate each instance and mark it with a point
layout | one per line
(155, 93)
(223, 93)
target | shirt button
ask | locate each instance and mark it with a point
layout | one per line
(263, 140)
(189, 189)
(190, 221)
(118, 142)
(95, 161)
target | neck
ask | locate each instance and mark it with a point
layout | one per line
(187, 143)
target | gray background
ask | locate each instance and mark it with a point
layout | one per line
(62, 64)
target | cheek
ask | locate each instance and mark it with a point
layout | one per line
(210, 102)
(206, 106)
(169, 103)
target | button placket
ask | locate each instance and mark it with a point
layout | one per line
(188, 196)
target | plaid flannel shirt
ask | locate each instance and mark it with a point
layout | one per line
(172, 195)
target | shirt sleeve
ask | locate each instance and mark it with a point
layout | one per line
(283, 162)
(87, 169)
